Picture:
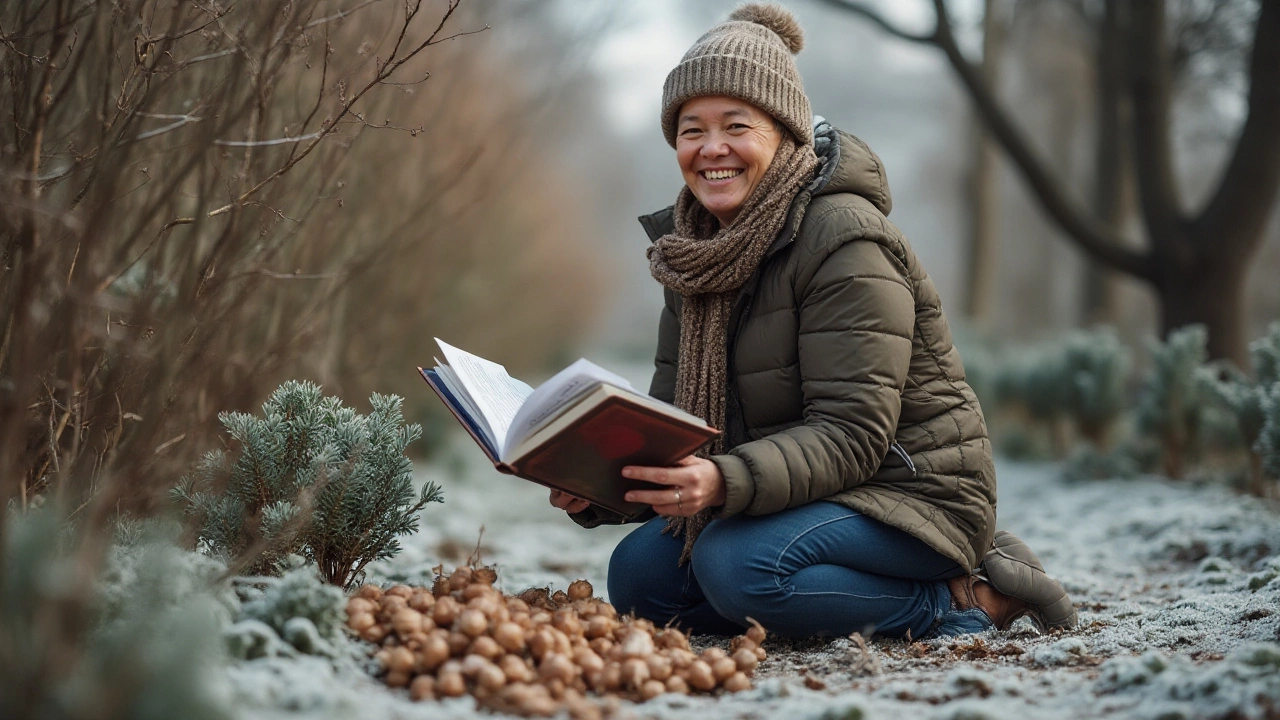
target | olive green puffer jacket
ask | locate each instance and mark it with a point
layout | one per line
(844, 384)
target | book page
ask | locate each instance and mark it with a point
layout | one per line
(497, 395)
(467, 406)
(554, 395)
(463, 410)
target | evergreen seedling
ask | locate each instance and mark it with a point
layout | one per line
(1095, 368)
(1079, 382)
(1267, 446)
(1174, 395)
(1266, 365)
(1246, 399)
(1030, 384)
(313, 478)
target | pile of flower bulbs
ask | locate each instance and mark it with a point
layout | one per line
(536, 653)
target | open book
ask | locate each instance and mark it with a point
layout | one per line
(574, 433)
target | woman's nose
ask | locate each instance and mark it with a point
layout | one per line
(714, 147)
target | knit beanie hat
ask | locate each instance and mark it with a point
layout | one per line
(749, 58)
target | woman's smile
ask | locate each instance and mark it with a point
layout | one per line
(719, 175)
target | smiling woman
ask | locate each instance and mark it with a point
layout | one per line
(853, 486)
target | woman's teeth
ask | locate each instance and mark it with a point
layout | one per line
(721, 174)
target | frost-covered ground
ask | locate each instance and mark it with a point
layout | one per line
(1178, 589)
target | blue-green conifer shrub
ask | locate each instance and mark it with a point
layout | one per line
(308, 477)
(1174, 395)
(1095, 371)
(1245, 400)
(1268, 443)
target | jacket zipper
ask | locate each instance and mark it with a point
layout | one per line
(902, 453)
(741, 420)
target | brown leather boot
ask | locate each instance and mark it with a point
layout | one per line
(970, 591)
(1014, 570)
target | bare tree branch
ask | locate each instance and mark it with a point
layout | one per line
(385, 71)
(181, 121)
(1151, 88)
(263, 143)
(295, 275)
(1103, 243)
(1239, 207)
(209, 56)
(867, 13)
(340, 14)
(1100, 241)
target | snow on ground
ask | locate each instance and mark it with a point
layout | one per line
(1178, 589)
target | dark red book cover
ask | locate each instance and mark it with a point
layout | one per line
(586, 458)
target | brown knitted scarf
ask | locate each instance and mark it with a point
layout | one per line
(707, 264)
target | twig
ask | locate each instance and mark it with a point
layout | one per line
(262, 143)
(7, 41)
(296, 275)
(425, 77)
(106, 283)
(167, 443)
(386, 125)
(143, 44)
(455, 36)
(210, 56)
(183, 120)
(474, 559)
(276, 212)
(339, 15)
(882, 22)
(862, 660)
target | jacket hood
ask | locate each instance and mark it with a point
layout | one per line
(849, 166)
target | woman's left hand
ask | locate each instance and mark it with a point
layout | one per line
(692, 484)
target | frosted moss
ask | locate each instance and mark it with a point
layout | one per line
(298, 608)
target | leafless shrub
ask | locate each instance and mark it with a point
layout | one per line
(198, 200)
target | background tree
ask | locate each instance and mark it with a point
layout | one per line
(1194, 260)
(981, 262)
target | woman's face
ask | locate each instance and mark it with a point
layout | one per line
(724, 146)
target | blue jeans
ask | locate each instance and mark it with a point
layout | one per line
(818, 569)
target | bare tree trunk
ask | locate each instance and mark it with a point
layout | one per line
(1098, 295)
(1209, 292)
(983, 186)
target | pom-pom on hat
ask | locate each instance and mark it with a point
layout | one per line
(749, 57)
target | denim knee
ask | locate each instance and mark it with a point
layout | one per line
(733, 575)
(627, 569)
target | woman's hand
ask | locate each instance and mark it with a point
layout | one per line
(692, 484)
(568, 503)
